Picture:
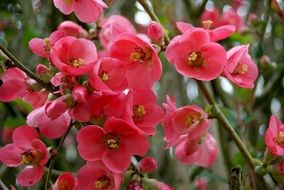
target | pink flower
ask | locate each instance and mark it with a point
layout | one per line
(147, 164)
(114, 144)
(202, 151)
(13, 84)
(155, 31)
(72, 29)
(134, 185)
(74, 56)
(96, 176)
(241, 69)
(112, 27)
(142, 62)
(50, 128)
(16, 84)
(86, 10)
(42, 47)
(191, 120)
(145, 112)
(66, 181)
(274, 136)
(80, 94)
(27, 149)
(216, 34)
(108, 75)
(195, 56)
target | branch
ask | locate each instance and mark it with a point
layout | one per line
(21, 66)
(53, 155)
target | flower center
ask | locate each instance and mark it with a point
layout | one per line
(47, 45)
(191, 118)
(67, 2)
(66, 184)
(241, 69)
(104, 76)
(139, 112)
(111, 141)
(195, 59)
(76, 62)
(31, 157)
(280, 138)
(207, 24)
(102, 182)
(141, 55)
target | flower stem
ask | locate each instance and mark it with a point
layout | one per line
(153, 16)
(53, 155)
(21, 66)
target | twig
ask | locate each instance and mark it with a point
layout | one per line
(53, 155)
(3, 186)
(21, 66)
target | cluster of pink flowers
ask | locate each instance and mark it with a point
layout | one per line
(111, 92)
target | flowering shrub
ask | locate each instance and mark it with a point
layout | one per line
(106, 92)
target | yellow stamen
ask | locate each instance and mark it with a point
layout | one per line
(241, 69)
(141, 55)
(207, 24)
(31, 157)
(195, 59)
(102, 182)
(112, 141)
(191, 118)
(104, 76)
(76, 62)
(280, 138)
(139, 112)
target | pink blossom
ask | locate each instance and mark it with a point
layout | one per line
(274, 136)
(202, 151)
(134, 185)
(195, 56)
(13, 84)
(148, 164)
(72, 29)
(66, 181)
(42, 47)
(155, 184)
(86, 10)
(241, 69)
(191, 120)
(74, 56)
(112, 27)
(213, 15)
(50, 128)
(108, 75)
(27, 149)
(155, 31)
(142, 62)
(114, 144)
(96, 176)
(16, 84)
(146, 113)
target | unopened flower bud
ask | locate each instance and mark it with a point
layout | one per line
(147, 165)
(41, 69)
(155, 32)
